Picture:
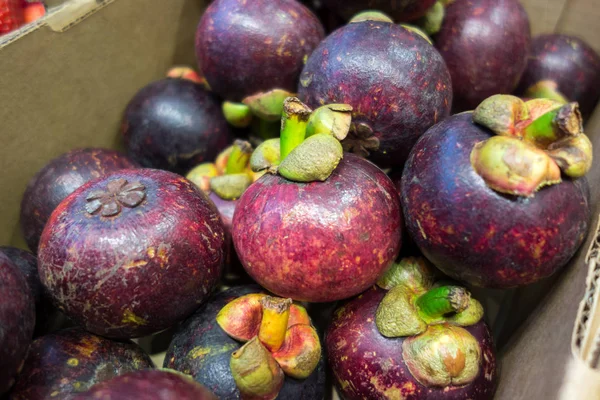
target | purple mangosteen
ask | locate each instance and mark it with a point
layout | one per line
(148, 385)
(396, 82)
(17, 320)
(122, 250)
(58, 179)
(412, 338)
(68, 362)
(563, 68)
(282, 351)
(320, 225)
(497, 197)
(400, 11)
(174, 124)
(485, 44)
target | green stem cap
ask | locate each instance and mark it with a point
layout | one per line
(545, 89)
(239, 157)
(237, 114)
(293, 125)
(443, 300)
(267, 106)
(371, 15)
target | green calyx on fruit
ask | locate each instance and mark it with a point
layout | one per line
(267, 106)
(370, 15)
(545, 89)
(237, 114)
(418, 31)
(437, 350)
(201, 175)
(431, 22)
(280, 340)
(536, 141)
(309, 148)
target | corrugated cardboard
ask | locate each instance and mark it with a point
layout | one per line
(62, 90)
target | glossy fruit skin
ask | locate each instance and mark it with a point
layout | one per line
(485, 44)
(226, 208)
(148, 385)
(367, 365)
(247, 47)
(399, 11)
(568, 61)
(473, 233)
(17, 320)
(70, 361)
(319, 241)
(58, 179)
(202, 349)
(174, 124)
(376, 67)
(120, 276)
(45, 313)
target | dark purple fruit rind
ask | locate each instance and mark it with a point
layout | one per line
(202, 349)
(475, 234)
(397, 83)
(58, 179)
(367, 365)
(174, 124)
(148, 385)
(122, 276)
(17, 320)
(319, 241)
(68, 362)
(247, 47)
(485, 44)
(569, 62)
(399, 11)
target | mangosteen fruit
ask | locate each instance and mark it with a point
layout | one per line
(174, 124)
(497, 197)
(410, 337)
(17, 320)
(58, 179)
(401, 11)
(245, 343)
(46, 315)
(485, 44)
(122, 250)
(149, 385)
(320, 225)
(396, 82)
(251, 54)
(562, 68)
(62, 364)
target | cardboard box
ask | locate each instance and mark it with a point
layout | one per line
(66, 80)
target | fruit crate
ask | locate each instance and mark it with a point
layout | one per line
(67, 78)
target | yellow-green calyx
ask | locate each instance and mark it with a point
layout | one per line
(437, 350)
(280, 341)
(418, 31)
(536, 141)
(237, 114)
(371, 15)
(267, 106)
(545, 89)
(309, 148)
(431, 22)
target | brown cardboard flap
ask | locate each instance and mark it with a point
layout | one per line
(73, 12)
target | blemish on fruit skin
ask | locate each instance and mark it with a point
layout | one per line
(130, 318)
(72, 362)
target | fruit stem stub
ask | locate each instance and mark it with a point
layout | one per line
(239, 157)
(443, 300)
(293, 124)
(276, 313)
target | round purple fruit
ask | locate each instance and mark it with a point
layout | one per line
(396, 82)
(122, 250)
(563, 68)
(17, 320)
(411, 338)
(68, 362)
(497, 197)
(58, 179)
(400, 11)
(174, 124)
(281, 357)
(485, 44)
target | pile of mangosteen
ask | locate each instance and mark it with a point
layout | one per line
(311, 205)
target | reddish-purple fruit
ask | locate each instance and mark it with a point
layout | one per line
(319, 241)
(17, 320)
(396, 82)
(174, 124)
(485, 44)
(149, 385)
(400, 11)
(248, 47)
(562, 65)
(121, 251)
(476, 234)
(226, 209)
(62, 364)
(201, 348)
(45, 313)
(445, 359)
(58, 179)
